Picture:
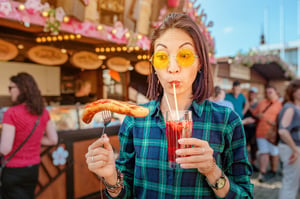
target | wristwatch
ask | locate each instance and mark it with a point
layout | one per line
(220, 183)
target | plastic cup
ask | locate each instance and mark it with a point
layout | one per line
(177, 126)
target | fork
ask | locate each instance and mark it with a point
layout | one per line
(106, 116)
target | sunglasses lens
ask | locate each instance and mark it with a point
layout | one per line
(185, 58)
(160, 59)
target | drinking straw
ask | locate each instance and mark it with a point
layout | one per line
(175, 99)
(168, 104)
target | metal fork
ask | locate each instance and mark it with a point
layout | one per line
(106, 116)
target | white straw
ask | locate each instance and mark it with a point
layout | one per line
(170, 110)
(175, 99)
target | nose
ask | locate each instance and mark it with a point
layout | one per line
(173, 65)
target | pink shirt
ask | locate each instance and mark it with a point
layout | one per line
(23, 121)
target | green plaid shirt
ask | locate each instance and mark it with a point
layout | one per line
(143, 157)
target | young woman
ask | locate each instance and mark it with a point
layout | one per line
(216, 165)
(20, 175)
(289, 144)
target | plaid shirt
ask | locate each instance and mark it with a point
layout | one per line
(143, 157)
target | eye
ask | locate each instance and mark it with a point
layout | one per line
(161, 56)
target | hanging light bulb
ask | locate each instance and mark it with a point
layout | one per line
(45, 13)
(21, 7)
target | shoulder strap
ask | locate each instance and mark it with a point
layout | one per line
(267, 107)
(26, 139)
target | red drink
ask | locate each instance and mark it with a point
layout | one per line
(174, 131)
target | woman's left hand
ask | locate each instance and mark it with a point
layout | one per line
(199, 156)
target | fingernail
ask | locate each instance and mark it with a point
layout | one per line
(178, 152)
(180, 141)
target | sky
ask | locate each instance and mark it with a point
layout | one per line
(238, 24)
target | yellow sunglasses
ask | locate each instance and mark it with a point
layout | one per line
(184, 58)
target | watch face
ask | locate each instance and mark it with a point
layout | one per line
(221, 183)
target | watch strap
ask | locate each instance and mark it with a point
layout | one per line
(215, 186)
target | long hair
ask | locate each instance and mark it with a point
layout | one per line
(30, 94)
(290, 90)
(202, 87)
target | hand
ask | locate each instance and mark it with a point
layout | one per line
(293, 157)
(100, 157)
(200, 156)
(248, 120)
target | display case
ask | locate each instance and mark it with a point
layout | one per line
(69, 118)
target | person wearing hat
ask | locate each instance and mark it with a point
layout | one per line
(238, 100)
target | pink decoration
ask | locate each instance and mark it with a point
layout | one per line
(74, 26)
(144, 43)
(33, 6)
(120, 31)
(86, 2)
(173, 3)
(5, 7)
(59, 14)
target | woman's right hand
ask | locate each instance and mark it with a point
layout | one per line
(100, 158)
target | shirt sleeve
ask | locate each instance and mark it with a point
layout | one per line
(8, 117)
(235, 162)
(126, 160)
(283, 110)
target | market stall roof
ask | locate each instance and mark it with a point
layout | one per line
(270, 67)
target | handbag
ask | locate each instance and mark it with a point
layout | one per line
(272, 134)
(4, 162)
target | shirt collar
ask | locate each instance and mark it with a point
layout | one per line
(154, 107)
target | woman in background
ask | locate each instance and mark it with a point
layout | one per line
(20, 175)
(289, 143)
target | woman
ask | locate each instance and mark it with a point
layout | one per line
(180, 58)
(289, 143)
(20, 176)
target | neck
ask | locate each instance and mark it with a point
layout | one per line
(183, 102)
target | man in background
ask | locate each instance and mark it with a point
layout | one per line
(238, 100)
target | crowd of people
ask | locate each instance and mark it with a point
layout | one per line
(280, 114)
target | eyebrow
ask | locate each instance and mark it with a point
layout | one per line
(185, 43)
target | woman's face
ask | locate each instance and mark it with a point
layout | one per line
(176, 42)
(297, 95)
(14, 91)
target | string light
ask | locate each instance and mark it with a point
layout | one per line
(21, 7)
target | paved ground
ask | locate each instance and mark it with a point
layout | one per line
(269, 189)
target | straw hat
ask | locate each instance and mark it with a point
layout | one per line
(47, 55)
(118, 64)
(143, 67)
(8, 50)
(86, 60)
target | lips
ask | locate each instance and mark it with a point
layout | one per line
(177, 83)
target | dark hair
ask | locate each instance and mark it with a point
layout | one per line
(29, 93)
(290, 90)
(217, 91)
(203, 85)
(273, 87)
(236, 83)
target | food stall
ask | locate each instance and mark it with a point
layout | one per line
(63, 170)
